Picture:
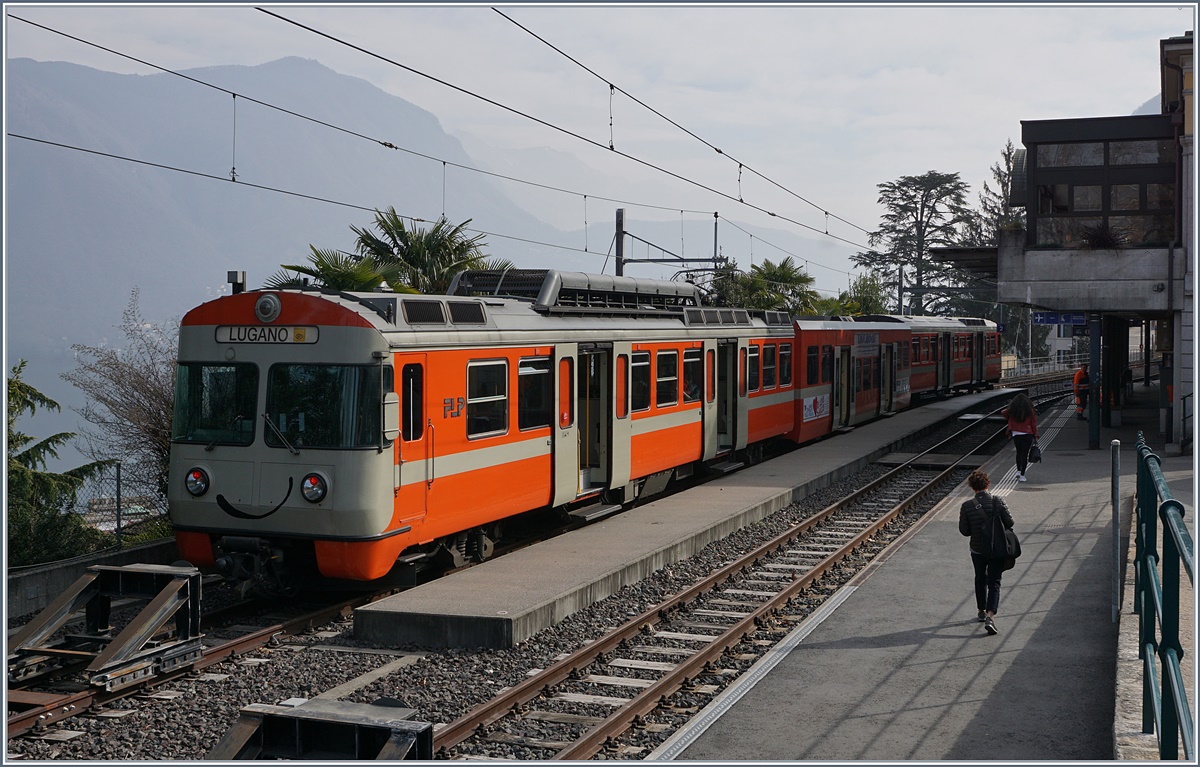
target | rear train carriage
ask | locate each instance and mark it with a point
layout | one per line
(950, 353)
(345, 432)
(849, 372)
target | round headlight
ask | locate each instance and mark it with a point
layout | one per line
(197, 481)
(314, 488)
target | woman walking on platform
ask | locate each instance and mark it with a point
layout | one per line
(977, 518)
(1022, 427)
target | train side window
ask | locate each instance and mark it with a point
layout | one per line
(412, 402)
(487, 398)
(533, 393)
(814, 365)
(916, 350)
(826, 364)
(752, 368)
(639, 381)
(622, 385)
(933, 349)
(785, 364)
(566, 392)
(768, 366)
(875, 368)
(666, 391)
(693, 375)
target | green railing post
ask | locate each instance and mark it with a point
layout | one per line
(1165, 707)
(1115, 448)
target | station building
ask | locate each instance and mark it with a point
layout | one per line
(1109, 233)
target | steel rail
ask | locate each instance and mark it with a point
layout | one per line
(68, 705)
(511, 700)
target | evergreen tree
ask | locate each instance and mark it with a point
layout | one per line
(923, 212)
(40, 525)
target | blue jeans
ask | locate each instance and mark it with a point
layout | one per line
(987, 582)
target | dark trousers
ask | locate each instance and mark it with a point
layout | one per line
(1022, 442)
(987, 582)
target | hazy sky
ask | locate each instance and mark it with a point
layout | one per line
(827, 102)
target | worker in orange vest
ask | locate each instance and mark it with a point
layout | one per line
(1081, 384)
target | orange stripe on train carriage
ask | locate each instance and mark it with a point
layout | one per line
(664, 449)
(475, 497)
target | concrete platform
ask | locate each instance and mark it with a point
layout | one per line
(902, 670)
(501, 603)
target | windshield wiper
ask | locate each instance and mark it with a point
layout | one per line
(208, 448)
(279, 434)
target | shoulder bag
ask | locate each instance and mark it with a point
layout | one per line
(1012, 544)
(1035, 452)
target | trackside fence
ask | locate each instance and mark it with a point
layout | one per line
(1165, 708)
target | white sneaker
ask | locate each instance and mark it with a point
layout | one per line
(1020, 477)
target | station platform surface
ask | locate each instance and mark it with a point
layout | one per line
(899, 668)
(500, 603)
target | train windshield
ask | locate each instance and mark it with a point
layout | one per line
(214, 403)
(325, 406)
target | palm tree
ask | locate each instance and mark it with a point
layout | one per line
(428, 258)
(783, 286)
(407, 260)
(342, 271)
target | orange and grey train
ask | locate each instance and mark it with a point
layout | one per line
(360, 435)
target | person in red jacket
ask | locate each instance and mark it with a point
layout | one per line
(1022, 427)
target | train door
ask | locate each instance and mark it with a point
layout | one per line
(843, 386)
(978, 346)
(945, 363)
(726, 400)
(887, 382)
(566, 426)
(621, 442)
(709, 402)
(414, 454)
(741, 397)
(594, 406)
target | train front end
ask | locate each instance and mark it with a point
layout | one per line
(282, 459)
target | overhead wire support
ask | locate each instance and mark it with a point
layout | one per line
(643, 104)
(381, 142)
(558, 128)
(233, 162)
(277, 190)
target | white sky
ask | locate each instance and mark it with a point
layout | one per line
(826, 101)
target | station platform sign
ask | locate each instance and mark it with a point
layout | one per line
(1059, 318)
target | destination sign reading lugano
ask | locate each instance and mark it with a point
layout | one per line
(266, 334)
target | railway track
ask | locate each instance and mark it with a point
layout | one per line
(43, 700)
(647, 674)
(710, 632)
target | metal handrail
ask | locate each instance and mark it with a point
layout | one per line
(1165, 708)
(1186, 440)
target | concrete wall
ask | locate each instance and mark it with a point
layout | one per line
(31, 589)
(1130, 280)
